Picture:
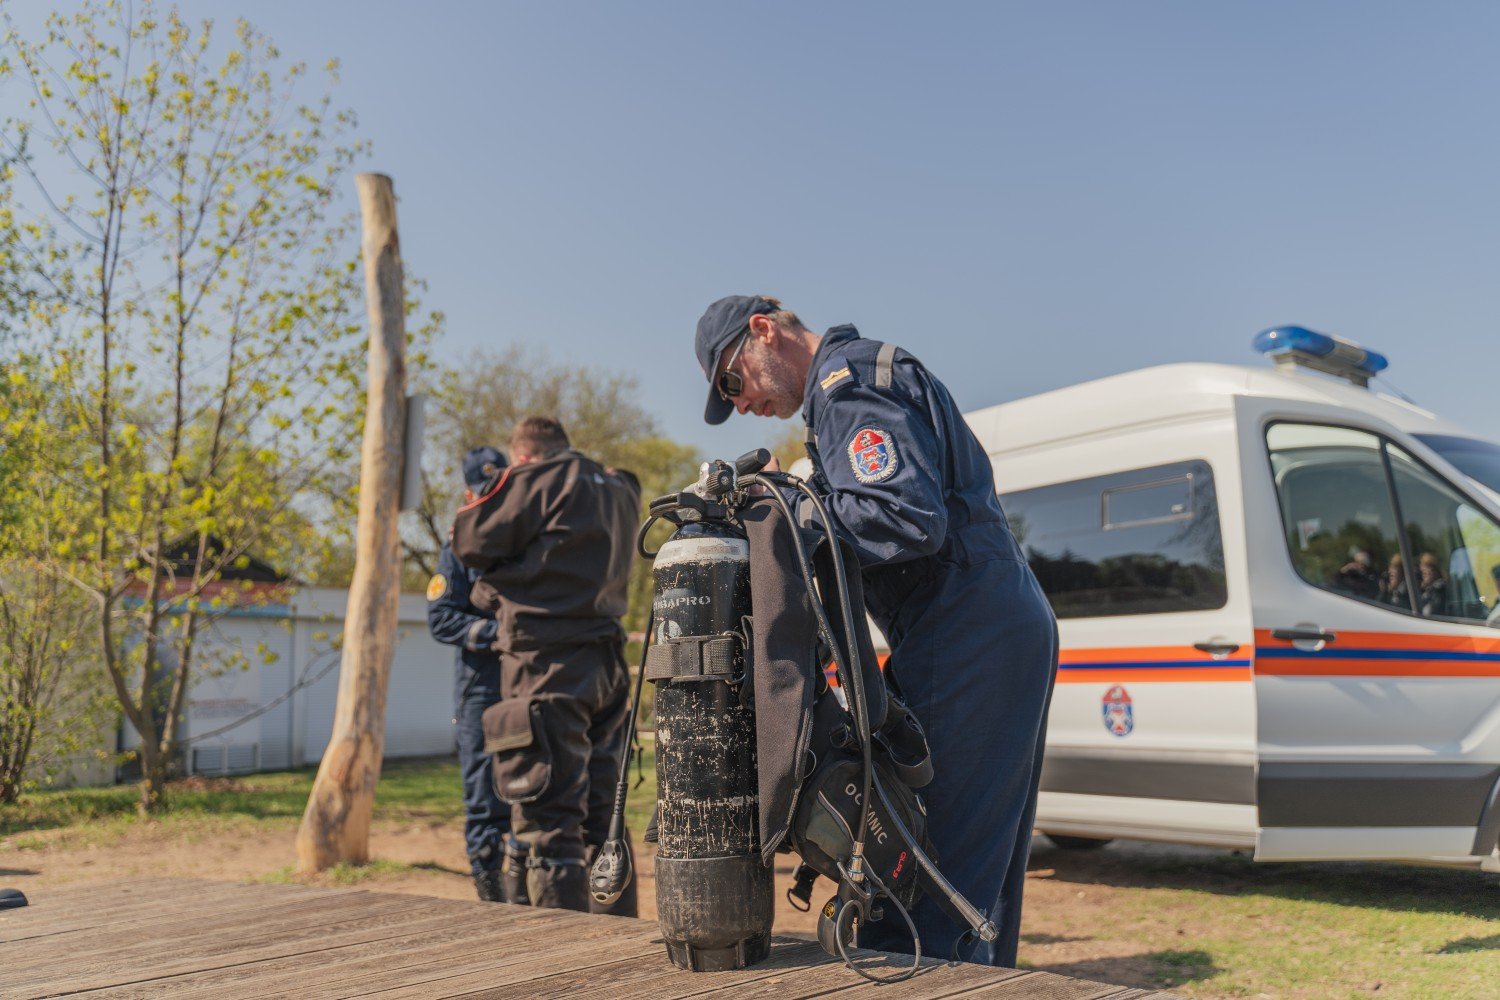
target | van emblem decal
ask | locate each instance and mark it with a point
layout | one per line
(1119, 711)
(872, 455)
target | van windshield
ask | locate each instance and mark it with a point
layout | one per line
(1479, 460)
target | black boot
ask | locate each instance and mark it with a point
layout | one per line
(513, 871)
(558, 883)
(489, 886)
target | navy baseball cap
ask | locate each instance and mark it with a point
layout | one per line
(718, 328)
(481, 465)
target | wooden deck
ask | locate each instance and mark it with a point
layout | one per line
(187, 938)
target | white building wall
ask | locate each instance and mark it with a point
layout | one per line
(293, 729)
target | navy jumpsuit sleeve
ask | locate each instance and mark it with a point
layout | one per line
(450, 617)
(880, 455)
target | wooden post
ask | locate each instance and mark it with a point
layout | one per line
(336, 825)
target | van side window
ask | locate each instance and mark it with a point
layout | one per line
(1456, 547)
(1132, 543)
(1366, 519)
(1339, 519)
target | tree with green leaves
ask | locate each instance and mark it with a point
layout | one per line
(200, 310)
(53, 709)
(480, 402)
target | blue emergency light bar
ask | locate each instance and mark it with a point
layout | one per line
(1300, 347)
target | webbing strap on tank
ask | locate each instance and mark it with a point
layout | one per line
(883, 365)
(694, 657)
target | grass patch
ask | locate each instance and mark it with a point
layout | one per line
(1285, 930)
(342, 873)
(426, 790)
(642, 798)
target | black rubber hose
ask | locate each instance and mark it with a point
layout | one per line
(857, 689)
(617, 817)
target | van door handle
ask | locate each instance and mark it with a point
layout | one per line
(1303, 635)
(1217, 648)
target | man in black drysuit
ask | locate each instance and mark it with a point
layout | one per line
(973, 640)
(476, 686)
(552, 542)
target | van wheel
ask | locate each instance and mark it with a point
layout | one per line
(1068, 843)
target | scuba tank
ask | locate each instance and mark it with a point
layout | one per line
(714, 897)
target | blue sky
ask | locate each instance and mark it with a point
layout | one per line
(1023, 195)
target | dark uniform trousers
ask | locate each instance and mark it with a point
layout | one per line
(975, 681)
(452, 620)
(585, 694)
(486, 818)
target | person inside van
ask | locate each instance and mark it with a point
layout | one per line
(1393, 584)
(1358, 576)
(1434, 586)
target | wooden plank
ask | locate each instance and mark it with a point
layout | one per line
(111, 904)
(1042, 986)
(225, 940)
(113, 911)
(310, 961)
(795, 969)
(503, 951)
(129, 933)
(833, 978)
(341, 919)
(636, 939)
(164, 924)
(139, 952)
(666, 980)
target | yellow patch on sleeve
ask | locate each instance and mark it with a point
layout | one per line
(834, 378)
(437, 587)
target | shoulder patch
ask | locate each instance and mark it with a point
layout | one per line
(872, 454)
(437, 587)
(834, 373)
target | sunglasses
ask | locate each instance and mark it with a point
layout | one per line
(731, 383)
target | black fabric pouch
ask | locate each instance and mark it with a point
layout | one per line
(516, 736)
(829, 808)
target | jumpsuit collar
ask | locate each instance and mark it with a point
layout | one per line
(835, 336)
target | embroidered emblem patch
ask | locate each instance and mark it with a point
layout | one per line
(1118, 711)
(872, 454)
(437, 587)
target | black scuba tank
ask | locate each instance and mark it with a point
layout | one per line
(714, 896)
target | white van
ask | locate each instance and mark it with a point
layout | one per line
(1278, 599)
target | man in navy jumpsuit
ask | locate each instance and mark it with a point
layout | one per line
(973, 640)
(476, 686)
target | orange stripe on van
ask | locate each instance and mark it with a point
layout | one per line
(1396, 640)
(1175, 675)
(1380, 654)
